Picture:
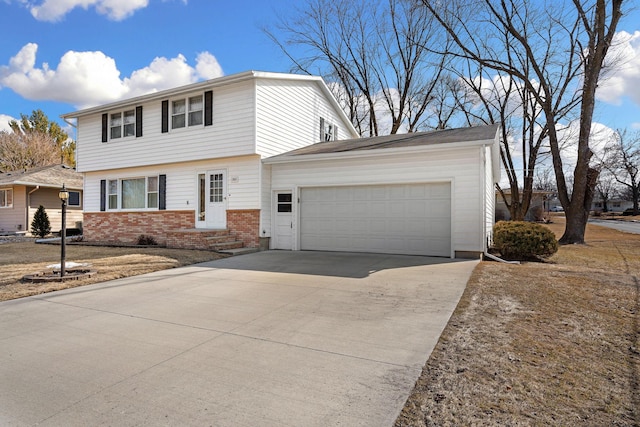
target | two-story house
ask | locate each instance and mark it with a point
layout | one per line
(190, 158)
(273, 160)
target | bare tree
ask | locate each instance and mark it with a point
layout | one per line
(606, 188)
(563, 45)
(26, 150)
(376, 54)
(39, 124)
(622, 160)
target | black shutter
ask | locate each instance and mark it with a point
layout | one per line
(335, 133)
(105, 125)
(165, 116)
(162, 192)
(321, 129)
(103, 195)
(208, 108)
(139, 121)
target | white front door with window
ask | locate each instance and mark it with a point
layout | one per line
(216, 199)
(284, 220)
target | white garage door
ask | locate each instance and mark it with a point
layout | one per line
(397, 219)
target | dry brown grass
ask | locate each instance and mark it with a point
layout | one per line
(541, 344)
(20, 259)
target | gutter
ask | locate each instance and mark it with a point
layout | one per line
(26, 212)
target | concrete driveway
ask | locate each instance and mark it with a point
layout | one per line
(272, 338)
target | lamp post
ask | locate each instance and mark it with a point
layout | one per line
(64, 196)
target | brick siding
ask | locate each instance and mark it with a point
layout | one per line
(125, 227)
(245, 224)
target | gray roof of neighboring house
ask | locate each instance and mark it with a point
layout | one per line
(476, 133)
(46, 176)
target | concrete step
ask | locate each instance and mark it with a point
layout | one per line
(229, 237)
(221, 246)
(239, 251)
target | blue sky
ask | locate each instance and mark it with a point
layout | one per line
(59, 56)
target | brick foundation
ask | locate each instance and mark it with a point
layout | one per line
(245, 224)
(125, 227)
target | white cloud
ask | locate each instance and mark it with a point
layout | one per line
(623, 78)
(90, 78)
(635, 125)
(55, 10)
(207, 66)
(4, 122)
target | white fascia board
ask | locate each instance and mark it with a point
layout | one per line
(35, 184)
(378, 152)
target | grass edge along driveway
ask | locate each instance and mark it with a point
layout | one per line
(553, 343)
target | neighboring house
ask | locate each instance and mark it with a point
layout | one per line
(613, 205)
(538, 208)
(273, 159)
(22, 192)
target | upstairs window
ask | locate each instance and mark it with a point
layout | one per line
(186, 112)
(195, 110)
(192, 111)
(6, 198)
(178, 109)
(328, 131)
(122, 124)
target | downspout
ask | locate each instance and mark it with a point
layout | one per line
(26, 213)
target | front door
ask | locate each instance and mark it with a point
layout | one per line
(216, 199)
(284, 220)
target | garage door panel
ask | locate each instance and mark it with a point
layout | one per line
(403, 219)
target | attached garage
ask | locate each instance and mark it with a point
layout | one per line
(397, 219)
(420, 194)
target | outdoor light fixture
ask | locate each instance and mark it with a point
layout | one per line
(64, 196)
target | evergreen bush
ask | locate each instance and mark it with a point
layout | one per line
(520, 240)
(40, 226)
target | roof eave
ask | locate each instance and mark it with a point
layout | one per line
(377, 152)
(36, 184)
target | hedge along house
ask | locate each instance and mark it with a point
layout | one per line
(422, 193)
(23, 191)
(185, 165)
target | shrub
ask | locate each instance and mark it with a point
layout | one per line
(146, 240)
(523, 240)
(40, 225)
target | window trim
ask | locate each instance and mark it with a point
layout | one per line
(118, 193)
(328, 130)
(79, 204)
(6, 191)
(205, 113)
(135, 122)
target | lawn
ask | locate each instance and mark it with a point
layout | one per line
(22, 258)
(553, 343)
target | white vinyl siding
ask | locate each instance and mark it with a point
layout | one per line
(182, 182)
(460, 167)
(288, 116)
(231, 134)
(490, 200)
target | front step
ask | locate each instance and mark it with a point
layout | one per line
(203, 239)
